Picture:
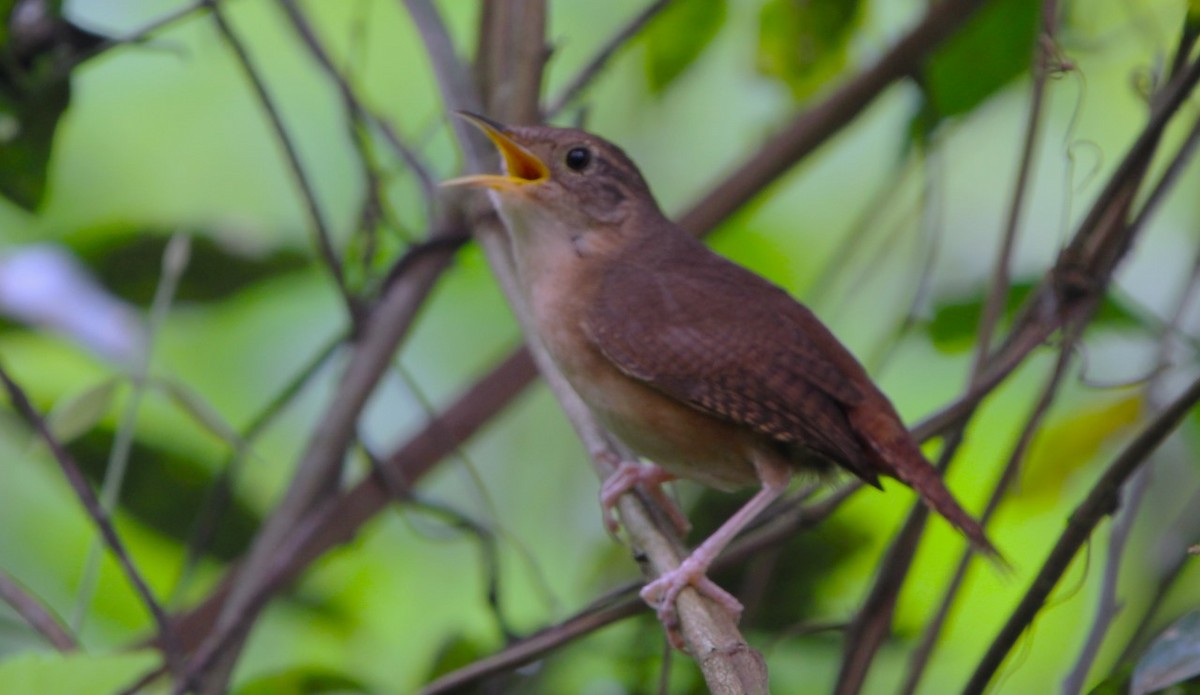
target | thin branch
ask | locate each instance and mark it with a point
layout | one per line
(324, 237)
(839, 110)
(1166, 580)
(538, 645)
(623, 602)
(35, 614)
(1107, 603)
(356, 111)
(919, 658)
(493, 392)
(221, 491)
(592, 69)
(95, 511)
(317, 472)
(873, 619)
(998, 294)
(1101, 501)
(174, 264)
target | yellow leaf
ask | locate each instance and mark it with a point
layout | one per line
(1071, 443)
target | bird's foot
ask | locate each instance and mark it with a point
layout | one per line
(631, 474)
(661, 594)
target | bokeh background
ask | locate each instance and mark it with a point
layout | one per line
(889, 232)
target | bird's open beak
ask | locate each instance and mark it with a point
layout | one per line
(521, 166)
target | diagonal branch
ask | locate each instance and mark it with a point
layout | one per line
(309, 196)
(35, 614)
(1101, 501)
(317, 472)
(588, 74)
(826, 119)
(95, 511)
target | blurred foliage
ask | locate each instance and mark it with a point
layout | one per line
(955, 322)
(73, 674)
(992, 50)
(109, 158)
(128, 266)
(166, 491)
(1172, 661)
(38, 50)
(678, 36)
(803, 43)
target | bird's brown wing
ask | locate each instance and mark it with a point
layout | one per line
(714, 335)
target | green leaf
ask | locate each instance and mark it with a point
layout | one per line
(73, 674)
(168, 491)
(38, 49)
(199, 409)
(1117, 682)
(1173, 658)
(130, 266)
(76, 415)
(995, 47)
(955, 322)
(302, 680)
(802, 43)
(678, 36)
(27, 126)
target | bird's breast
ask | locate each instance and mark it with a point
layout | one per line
(684, 441)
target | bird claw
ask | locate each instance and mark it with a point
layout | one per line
(661, 594)
(631, 474)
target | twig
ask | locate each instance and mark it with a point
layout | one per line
(624, 602)
(1166, 581)
(538, 645)
(839, 110)
(994, 305)
(357, 112)
(317, 472)
(1100, 502)
(221, 491)
(35, 614)
(1107, 604)
(593, 67)
(174, 263)
(919, 659)
(873, 619)
(309, 196)
(91, 503)
(493, 392)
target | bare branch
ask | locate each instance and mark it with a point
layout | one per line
(919, 658)
(589, 72)
(1101, 501)
(994, 305)
(818, 124)
(316, 218)
(35, 614)
(91, 503)
(316, 474)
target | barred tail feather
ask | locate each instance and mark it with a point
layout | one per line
(901, 458)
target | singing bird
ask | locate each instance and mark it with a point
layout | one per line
(694, 362)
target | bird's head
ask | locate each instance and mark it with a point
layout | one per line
(561, 174)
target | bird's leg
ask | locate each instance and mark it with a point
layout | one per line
(662, 592)
(630, 474)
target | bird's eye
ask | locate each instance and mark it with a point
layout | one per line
(578, 158)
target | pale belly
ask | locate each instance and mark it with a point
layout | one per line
(680, 439)
(673, 435)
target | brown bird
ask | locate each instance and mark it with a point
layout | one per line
(695, 363)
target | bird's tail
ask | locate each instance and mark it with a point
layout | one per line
(902, 459)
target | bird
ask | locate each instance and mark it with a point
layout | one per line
(695, 363)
